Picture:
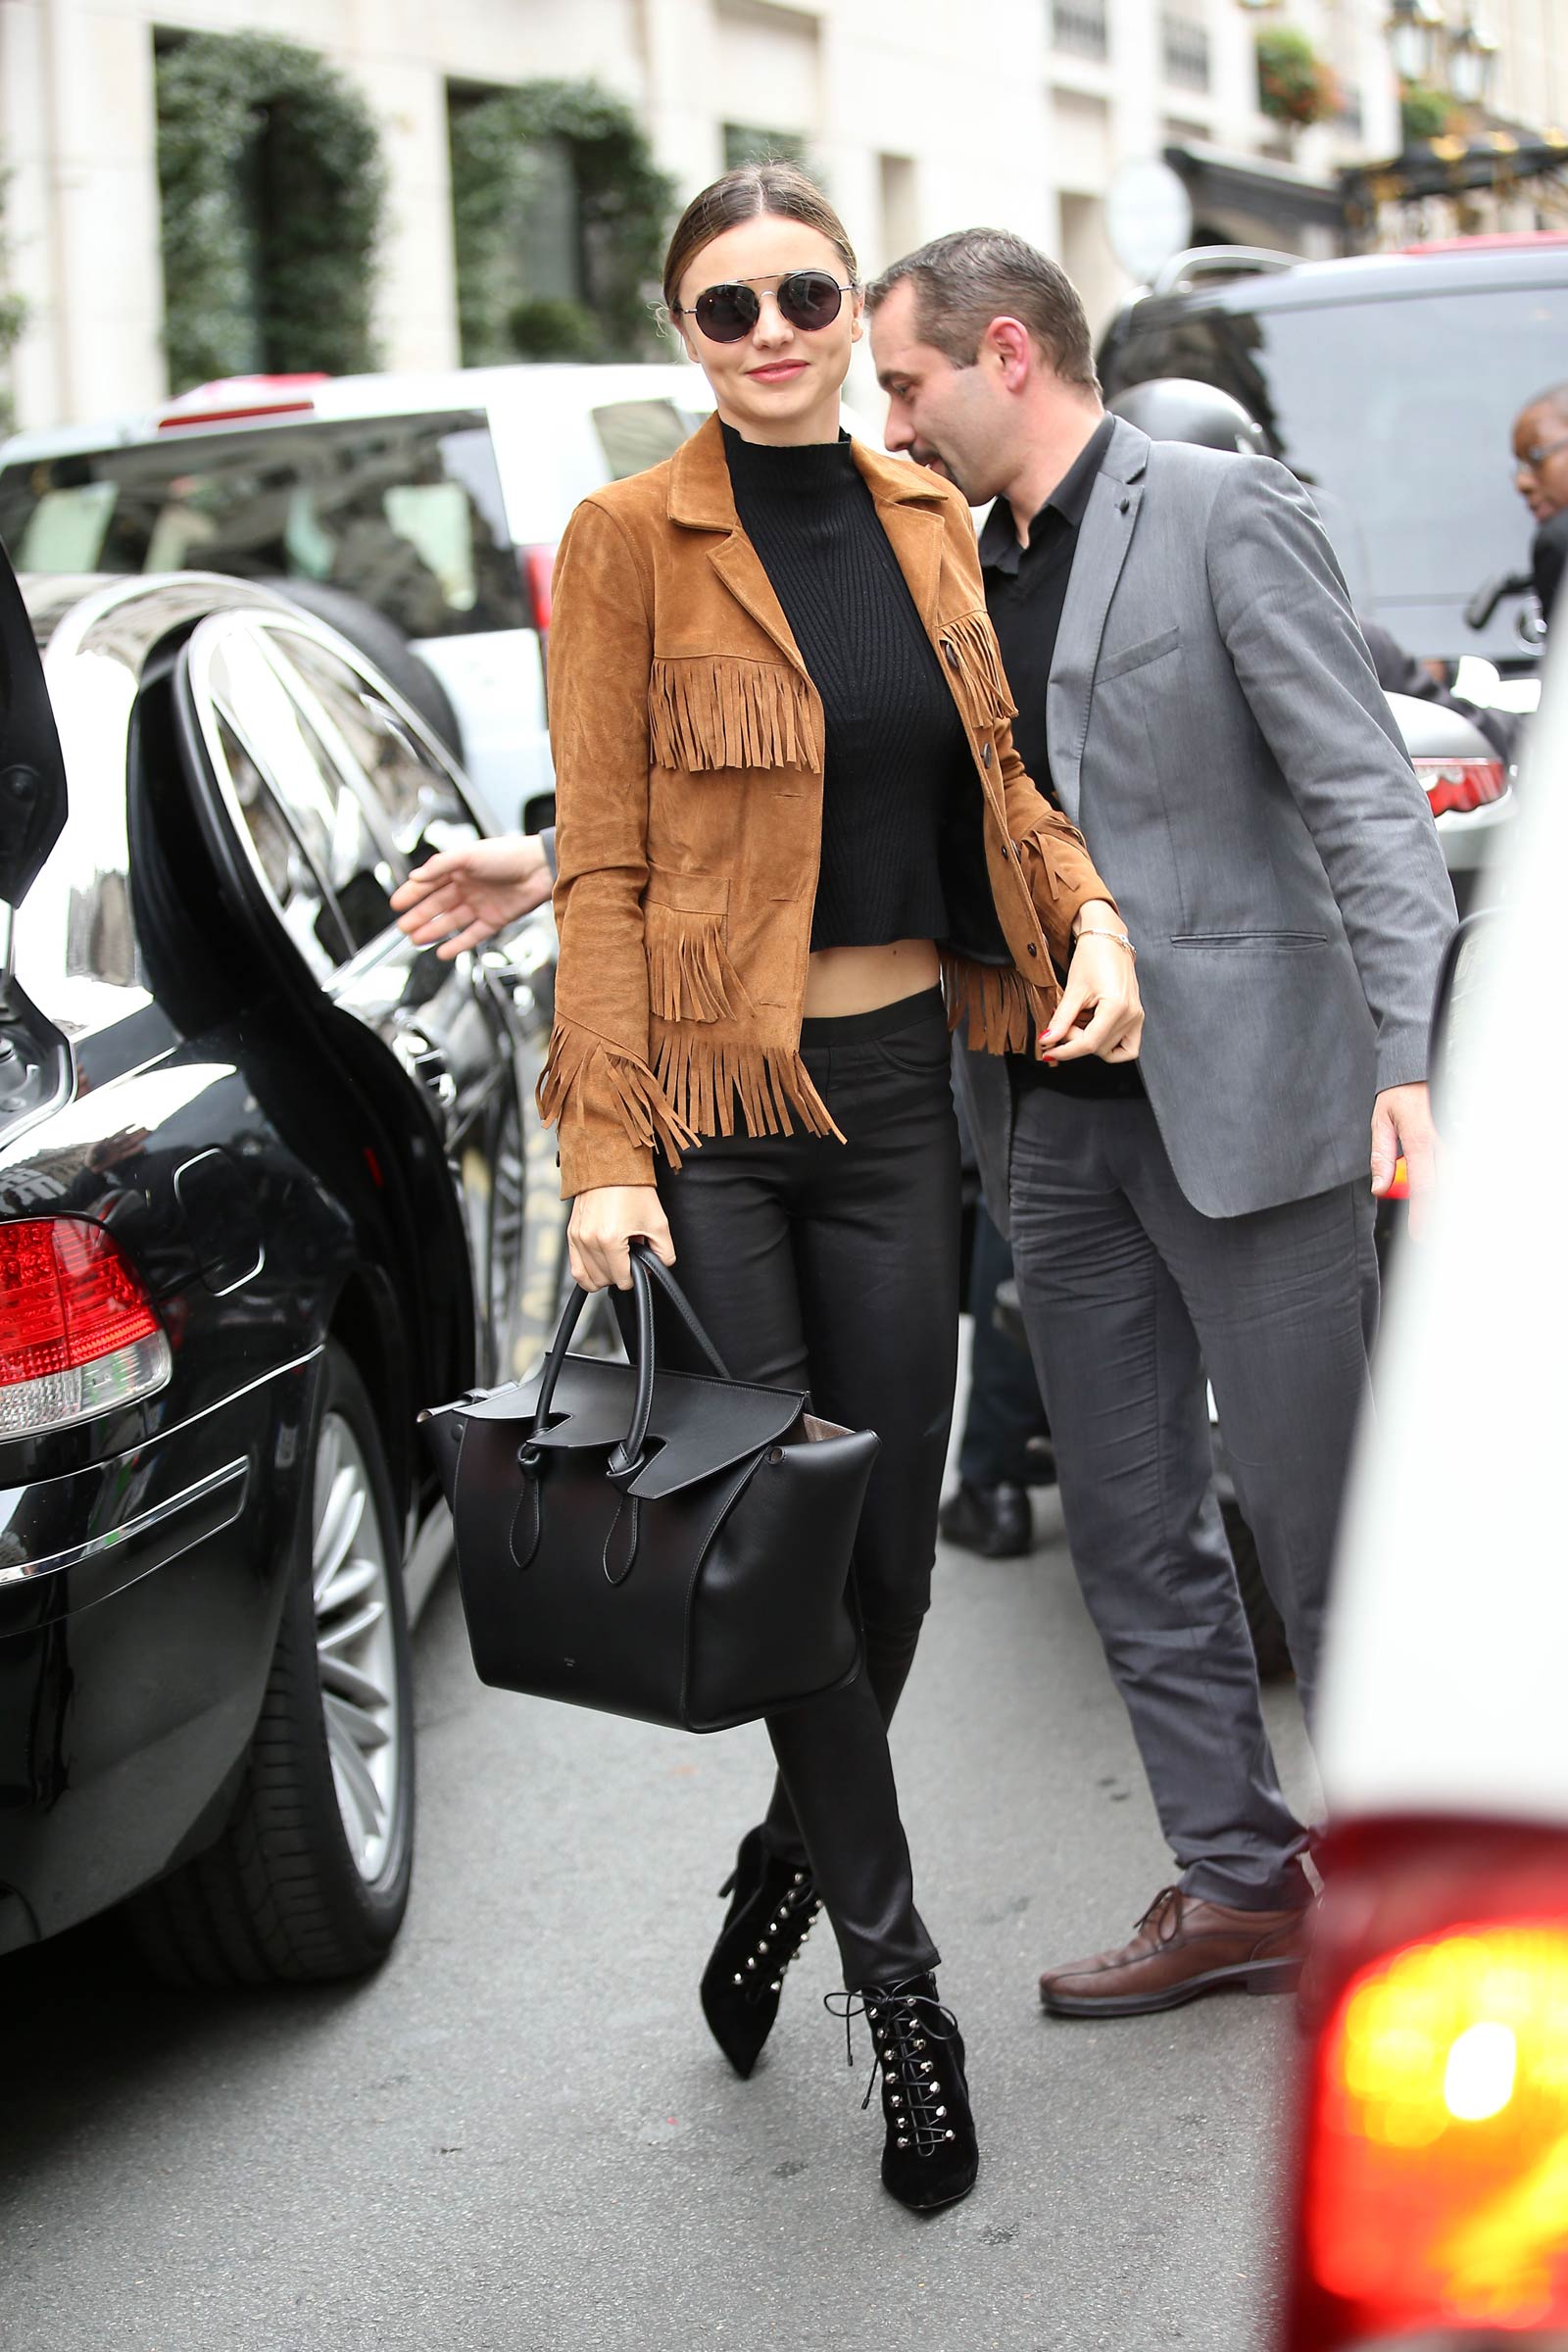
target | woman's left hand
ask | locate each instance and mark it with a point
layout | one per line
(1101, 1010)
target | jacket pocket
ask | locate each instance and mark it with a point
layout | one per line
(1135, 656)
(710, 710)
(1249, 939)
(971, 653)
(690, 976)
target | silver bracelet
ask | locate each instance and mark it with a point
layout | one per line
(1117, 939)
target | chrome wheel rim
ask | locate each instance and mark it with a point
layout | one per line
(356, 1649)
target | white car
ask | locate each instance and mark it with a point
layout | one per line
(433, 502)
(1431, 2196)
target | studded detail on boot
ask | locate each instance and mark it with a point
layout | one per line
(931, 2156)
(771, 1911)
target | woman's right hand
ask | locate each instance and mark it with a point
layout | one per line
(603, 1223)
(462, 897)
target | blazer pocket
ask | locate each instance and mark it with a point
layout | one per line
(708, 710)
(1249, 939)
(1135, 656)
(690, 976)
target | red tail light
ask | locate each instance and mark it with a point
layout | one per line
(538, 566)
(77, 1333)
(1433, 2195)
(1459, 786)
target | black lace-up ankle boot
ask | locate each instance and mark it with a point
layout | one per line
(932, 2156)
(771, 1909)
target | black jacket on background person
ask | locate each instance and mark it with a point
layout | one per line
(1399, 673)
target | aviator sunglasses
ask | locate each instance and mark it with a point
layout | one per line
(808, 298)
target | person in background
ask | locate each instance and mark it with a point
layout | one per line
(1540, 477)
(1193, 688)
(780, 735)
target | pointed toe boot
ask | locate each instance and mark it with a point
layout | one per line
(772, 1907)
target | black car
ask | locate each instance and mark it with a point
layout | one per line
(1389, 383)
(270, 1182)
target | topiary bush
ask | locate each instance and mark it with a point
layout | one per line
(285, 281)
(625, 206)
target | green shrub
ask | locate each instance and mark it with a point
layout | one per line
(274, 193)
(1294, 84)
(625, 206)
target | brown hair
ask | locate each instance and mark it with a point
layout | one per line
(963, 280)
(751, 192)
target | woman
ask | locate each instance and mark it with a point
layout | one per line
(784, 774)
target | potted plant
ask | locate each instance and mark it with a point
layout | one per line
(1294, 86)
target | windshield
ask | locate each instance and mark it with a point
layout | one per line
(402, 512)
(1395, 413)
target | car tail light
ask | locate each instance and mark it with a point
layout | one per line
(1459, 786)
(1432, 2188)
(77, 1333)
(538, 568)
(236, 399)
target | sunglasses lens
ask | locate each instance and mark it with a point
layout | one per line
(726, 312)
(809, 299)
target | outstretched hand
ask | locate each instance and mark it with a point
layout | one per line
(461, 898)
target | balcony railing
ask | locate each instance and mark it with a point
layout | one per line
(1184, 47)
(1081, 28)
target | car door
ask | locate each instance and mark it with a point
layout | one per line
(327, 790)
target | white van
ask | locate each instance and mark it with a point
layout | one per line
(414, 512)
(1430, 2201)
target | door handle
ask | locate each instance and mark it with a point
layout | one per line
(425, 1063)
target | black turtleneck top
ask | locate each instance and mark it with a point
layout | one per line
(898, 770)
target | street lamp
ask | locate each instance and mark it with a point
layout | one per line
(1472, 55)
(1413, 28)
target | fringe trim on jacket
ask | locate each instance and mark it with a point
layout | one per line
(970, 649)
(1004, 1012)
(578, 1061)
(720, 710)
(690, 976)
(707, 1079)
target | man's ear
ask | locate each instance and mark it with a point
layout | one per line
(1005, 348)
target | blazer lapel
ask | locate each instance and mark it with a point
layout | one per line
(1102, 543)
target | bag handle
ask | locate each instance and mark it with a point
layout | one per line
(626, 1459)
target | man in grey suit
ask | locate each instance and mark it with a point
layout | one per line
(1193, 691)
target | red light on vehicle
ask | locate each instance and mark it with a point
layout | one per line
(1434, 2187)
(236, 399)
(1459, 786)
(77, 1333)
(538, 565)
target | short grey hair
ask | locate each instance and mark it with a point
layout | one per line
(963, 280)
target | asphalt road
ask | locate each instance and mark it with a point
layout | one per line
(519, 2137)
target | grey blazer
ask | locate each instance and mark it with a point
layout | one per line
(1217, 731)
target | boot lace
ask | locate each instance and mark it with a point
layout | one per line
(1164, 1913)
(905, 2026)
(789, 1925)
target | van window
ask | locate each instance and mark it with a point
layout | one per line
(1395, 412)
(634, 435)
(404, 512)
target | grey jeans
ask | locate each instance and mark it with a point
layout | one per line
(1129, 1294)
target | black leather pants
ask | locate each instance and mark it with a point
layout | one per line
(835, 1267)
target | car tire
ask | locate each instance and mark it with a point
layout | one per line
(383, 643)
(1264, 1622)
(300, 1886)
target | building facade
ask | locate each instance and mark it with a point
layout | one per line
(919, 119)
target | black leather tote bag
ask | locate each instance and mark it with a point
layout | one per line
(664, 1544)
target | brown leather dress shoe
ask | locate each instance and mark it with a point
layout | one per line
(1182, 1947)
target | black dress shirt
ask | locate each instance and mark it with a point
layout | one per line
(1026, 590)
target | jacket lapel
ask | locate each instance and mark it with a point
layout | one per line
(910, 514)
(1102, 543)
(700, 498)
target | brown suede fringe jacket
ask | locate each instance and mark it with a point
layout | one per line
(688, 743)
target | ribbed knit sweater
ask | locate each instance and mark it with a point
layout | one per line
(898, 763)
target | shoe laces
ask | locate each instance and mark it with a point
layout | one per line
(1167, 1906)
(790, 1923)
(905, 2026)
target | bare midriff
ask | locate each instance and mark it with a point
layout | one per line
(842, 980)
